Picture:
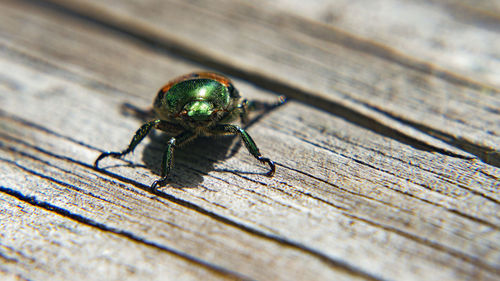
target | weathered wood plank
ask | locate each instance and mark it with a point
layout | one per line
(345, 203)
(449, 33)
(314, 63)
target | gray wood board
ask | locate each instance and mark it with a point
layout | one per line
(346, 202)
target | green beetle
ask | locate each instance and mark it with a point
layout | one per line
(196, 104)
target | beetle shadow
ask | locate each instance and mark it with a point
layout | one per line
(191, 161)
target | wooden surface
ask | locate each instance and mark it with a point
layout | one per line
(387, 153)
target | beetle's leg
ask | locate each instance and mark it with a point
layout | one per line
(243, 106)
(138, 137)
(228, 129)
(168, 157)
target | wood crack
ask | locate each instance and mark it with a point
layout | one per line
(409, 235)
(412, 181)
(434, 245)
(486, 154)
(416, 238)
(32, 200)
(7, 259)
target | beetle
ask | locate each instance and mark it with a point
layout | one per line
(192, 105)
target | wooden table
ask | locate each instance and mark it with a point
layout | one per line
(387, 152)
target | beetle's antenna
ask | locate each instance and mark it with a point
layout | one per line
(266, 106)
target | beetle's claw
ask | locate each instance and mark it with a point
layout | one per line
(96, 163)
(271, 165)
(158, 183)
(104, 155)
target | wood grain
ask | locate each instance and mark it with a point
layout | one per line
(76, 249)
(451, 34)
(346, 202)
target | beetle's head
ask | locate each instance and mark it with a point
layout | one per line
(199, 110)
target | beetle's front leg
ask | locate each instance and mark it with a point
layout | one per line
(228, 129)
(167, 162)
(138, 137)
